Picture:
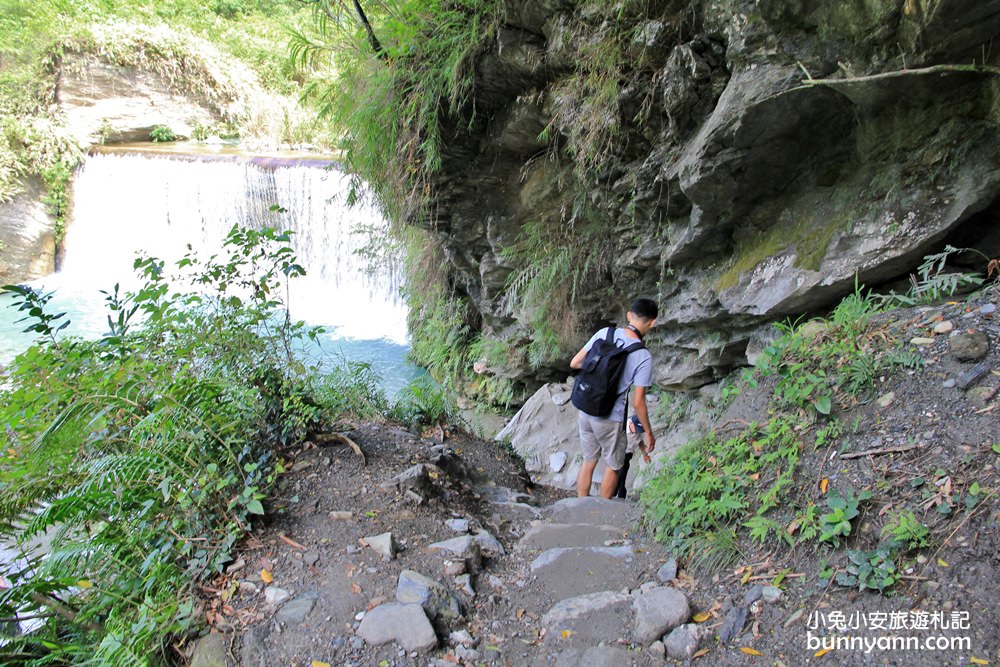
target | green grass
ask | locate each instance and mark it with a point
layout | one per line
(745, 482)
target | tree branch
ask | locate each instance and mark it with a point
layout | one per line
(372, 39)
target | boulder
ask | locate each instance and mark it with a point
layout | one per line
(405, 624)
(27, 235)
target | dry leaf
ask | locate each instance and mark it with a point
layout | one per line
(566, 634)
(700, 652)
(518, 614)
(979, 661)
(355, 588)
(702, 617)
(266, 576)
(755, 476)
(820, 653)
(320, 663)
(824, 484)
(746, 576)
(83, 583)
(750, 651)
(942, 563)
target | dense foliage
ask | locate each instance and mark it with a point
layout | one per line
(745, 483)
(389, 76)
(142, 457)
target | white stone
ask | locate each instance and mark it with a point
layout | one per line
(275, 596)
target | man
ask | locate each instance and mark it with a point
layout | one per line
(604, 437)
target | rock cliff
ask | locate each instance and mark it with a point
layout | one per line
(739, 162)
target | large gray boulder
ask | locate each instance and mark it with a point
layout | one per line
(754, 161)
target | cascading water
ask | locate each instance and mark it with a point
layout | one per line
(130, 202)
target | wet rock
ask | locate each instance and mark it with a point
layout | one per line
(658, 611)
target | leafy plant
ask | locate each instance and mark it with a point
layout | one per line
(837, 524)
(934, 281)
(905, 531)
(873, 569)
(146, 454)
(423, 402)
(162, 133)
(400, 70)
(34, 303)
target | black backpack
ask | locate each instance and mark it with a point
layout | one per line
(596, 386)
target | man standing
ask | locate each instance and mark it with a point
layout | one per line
(604, 437)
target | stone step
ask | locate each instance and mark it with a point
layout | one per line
(546, 535)
(593, 511)
(566, 572)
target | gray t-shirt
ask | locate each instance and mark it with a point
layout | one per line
(638, 369)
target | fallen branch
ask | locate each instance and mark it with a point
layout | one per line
(877, 452)
(935, 69)
(327, 438)
(291, 542)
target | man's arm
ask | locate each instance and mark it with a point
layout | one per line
(577, 361)
(640, 411)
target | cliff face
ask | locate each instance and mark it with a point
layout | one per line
(738, 163)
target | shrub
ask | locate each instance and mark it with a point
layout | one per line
(145, 455)
(162, 133)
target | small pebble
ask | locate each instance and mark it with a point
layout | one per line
(943, 327)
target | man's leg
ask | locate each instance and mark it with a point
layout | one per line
(590, 448)
(620, 491)
(609, 483)
(585, 478)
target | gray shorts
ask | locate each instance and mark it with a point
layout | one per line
(600, 438)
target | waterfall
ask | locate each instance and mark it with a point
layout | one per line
(126, 203)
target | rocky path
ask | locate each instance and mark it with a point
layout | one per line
(466, 572)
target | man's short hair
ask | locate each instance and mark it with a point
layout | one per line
(645, 308)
